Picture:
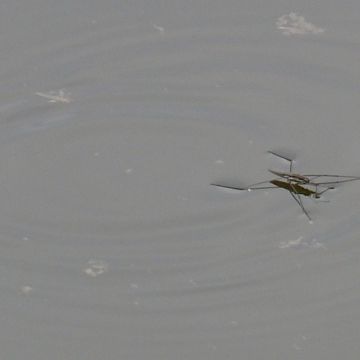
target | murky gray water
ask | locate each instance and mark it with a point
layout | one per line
(115, 118)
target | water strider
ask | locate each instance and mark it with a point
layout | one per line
(297, 184)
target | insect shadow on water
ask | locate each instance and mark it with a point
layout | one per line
(298, 185)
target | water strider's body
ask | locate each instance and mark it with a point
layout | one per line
(294, 188)
(295, 183)
(301, 179)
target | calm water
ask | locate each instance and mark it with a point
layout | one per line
(115, 118)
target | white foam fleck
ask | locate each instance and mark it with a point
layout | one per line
(59, 96)
(159, 28)
(294, 24)
(182, 198)
(96, 268)
(300, 242)
(193, 282)
(314, 243)
(291, 243)
(26, 289)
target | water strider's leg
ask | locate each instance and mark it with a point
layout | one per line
(248, 188)
(297, 198)
(335, 181)
(321, 192)
(282, 157)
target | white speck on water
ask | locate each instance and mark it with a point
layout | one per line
(26, 289)
(314, 243)
(297, 344)
(96, 268)
(219, 162)
(193, 282)
(134, 286)
(129, 171)
(96, 154)
(182, 198)
(294, 24)
(159, 28)
(212, 347)
(25, 238)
